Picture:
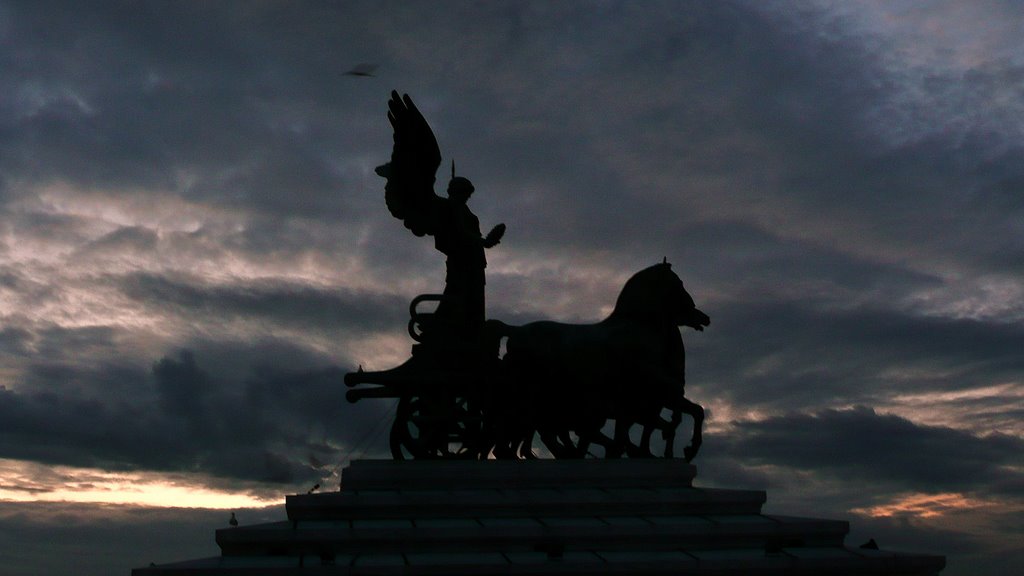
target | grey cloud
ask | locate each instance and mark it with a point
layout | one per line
(289, 304)
(827, 463)
(736, 260)
(15, 341)
(174, 103)
(181, 387)
(86, 363)
(64, 228)
(132, 239)
(819, 96)
(803, 154)
(798, 354)
(859, 445)
(253, 424)
(790, 127)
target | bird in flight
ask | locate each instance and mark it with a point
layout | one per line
(364, 70)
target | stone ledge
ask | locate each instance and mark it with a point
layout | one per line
(539, 518)
(567, 534)
(749, 562)
(368, 475)
(518, 502)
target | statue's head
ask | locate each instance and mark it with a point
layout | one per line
(460, 188)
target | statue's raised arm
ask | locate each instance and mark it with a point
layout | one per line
(410, 174)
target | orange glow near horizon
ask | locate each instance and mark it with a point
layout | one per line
(923, 505)
(30, 482)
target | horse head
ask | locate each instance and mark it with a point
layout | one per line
(658, 293)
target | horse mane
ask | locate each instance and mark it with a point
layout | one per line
(639, 298)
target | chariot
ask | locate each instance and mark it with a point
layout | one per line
(566, 383)
(441, 391)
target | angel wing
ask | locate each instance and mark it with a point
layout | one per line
(410, 174)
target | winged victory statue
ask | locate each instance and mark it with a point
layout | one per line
(410, 197)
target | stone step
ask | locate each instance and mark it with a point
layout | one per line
(522, 502)
(539, 518)
(555, 535)
(749, 562)
(368, 475)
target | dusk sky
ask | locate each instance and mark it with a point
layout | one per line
(194, 248)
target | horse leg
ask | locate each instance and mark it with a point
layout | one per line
(559, 443)
(526, 447)
(575, 449)
(652, 421)
(668, 432)
(504, 451)
(514, 438)
(645, 440)
(696, 411)
(584, 440)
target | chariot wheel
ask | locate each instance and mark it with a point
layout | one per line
(437, 426)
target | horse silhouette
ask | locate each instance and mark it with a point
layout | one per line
(565, 381)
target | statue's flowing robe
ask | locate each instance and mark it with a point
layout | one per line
(460, 240)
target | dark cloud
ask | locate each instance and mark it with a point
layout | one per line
(798, 354)
(128, 239)
(258, 424)
(862, 446)
(209, 103)
(284, 304)
(15, 341)
(947, 491)
(55, 227)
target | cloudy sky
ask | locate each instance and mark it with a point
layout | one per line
(194, 248)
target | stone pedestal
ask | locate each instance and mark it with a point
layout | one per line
(539, 517)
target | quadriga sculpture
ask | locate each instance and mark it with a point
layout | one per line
(458, 399)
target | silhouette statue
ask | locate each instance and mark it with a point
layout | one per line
(410, 197)
(459, 398)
